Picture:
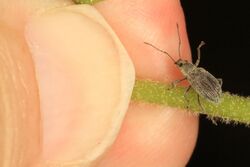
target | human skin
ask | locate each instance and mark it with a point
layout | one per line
(150, 135)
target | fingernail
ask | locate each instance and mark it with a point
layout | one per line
(85, 80)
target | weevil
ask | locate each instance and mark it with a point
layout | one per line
(204, 83)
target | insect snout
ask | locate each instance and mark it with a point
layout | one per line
(180, 62)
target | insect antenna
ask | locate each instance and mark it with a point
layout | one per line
(179, 38)
(160, 51)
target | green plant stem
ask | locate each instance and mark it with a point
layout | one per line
(231, 108)
(91, 2)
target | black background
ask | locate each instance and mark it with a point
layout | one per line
(225, 27)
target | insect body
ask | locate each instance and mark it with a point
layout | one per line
(204, 83)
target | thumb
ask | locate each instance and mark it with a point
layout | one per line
(85, 80)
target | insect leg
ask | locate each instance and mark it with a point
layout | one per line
(202, 108)
(173, 84)
(220, 81)
(199, 53)
(199, 102)
(185, 96)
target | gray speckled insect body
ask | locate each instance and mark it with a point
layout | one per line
(204, 83)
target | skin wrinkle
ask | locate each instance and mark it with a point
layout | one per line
(9, 63)
(19, 102)
(17, 66)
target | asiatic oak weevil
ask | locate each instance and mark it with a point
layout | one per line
(204, 83)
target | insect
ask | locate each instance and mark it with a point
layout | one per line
(204, 83)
